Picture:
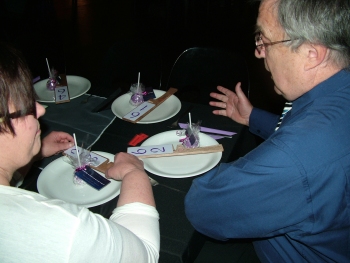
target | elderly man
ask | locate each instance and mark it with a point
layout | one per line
(292, 193)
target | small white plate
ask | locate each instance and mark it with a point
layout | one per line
(180, 166)
(164, 111)
(77, 86)
(56, 182)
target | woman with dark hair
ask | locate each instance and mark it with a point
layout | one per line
(18, 106)
(37, 229)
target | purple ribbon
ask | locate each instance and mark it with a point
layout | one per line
(80, 168)
(182, 140)
(210, 130)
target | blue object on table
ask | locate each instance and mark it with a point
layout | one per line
(149, 94)
(91, 177)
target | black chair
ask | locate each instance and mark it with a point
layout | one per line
(199, 70)
(122, 63)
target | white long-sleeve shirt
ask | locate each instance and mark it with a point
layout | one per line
(36, 229)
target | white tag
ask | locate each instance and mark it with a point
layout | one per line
(150, 150)
(97, 159)
(61, 94)
(139, 111)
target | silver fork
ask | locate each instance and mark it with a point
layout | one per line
(175, 123)
(153, 182)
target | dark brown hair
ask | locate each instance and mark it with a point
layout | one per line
(16, 88)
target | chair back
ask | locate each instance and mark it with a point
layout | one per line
(199, 70)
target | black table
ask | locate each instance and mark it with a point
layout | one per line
(179, 241)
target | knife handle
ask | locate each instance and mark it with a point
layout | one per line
(106, 102)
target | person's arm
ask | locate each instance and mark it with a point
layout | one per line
(141, 228)
(236, 106)
(262, 123)
(132, 232)
(136, 208)
(136, 186)
(250, 197)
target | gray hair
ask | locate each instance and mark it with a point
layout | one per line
(325, 22)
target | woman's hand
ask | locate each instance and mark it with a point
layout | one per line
(124, 164)
(136, 186)
(55, 142)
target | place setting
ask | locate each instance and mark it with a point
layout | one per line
(182, 166)
(143, 105)
(140, 106)
(59, 179)
(60, 88)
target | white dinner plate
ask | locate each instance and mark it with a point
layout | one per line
(180, 166)
(56, 182)
(77, 86)
(164, 111)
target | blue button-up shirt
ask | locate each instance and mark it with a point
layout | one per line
(292, 192)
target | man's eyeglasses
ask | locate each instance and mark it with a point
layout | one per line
(260, 45)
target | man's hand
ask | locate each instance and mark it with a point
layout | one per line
(55, 142)
(234, 105)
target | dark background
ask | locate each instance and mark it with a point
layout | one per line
(77, 36)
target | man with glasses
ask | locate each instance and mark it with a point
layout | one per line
(291, 194)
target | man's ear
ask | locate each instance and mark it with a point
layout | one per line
(315, 55)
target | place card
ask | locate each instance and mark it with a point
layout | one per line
(61, 90)
(96, 158)
(150, 150)
(133, 115)
(61, 94)
(146, 107)
(164, 150)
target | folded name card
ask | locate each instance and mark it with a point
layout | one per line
(96, 159)
(150, 150)
(96, 162)
(135, 114)
(168, 150)
(61, 90)
(146, 107)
